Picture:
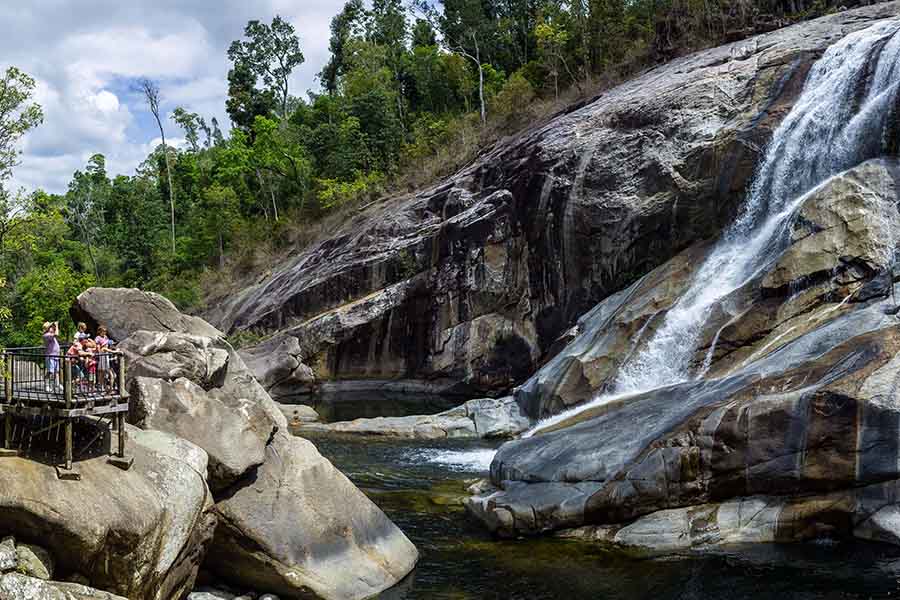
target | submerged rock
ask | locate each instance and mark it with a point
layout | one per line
(482, 418)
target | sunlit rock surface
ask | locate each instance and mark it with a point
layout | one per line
(272, 492)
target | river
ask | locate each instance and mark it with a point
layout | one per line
(420, 485)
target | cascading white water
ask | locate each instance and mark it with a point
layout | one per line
(839, 121)
(828, 131)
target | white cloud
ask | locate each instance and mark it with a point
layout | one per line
(87, 56)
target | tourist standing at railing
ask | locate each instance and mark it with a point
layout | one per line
(104, 349)
(82, 333)
(51, 356)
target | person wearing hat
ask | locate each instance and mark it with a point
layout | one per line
(51, 356)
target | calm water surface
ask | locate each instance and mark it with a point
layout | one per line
(419, 485)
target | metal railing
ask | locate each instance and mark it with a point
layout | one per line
(31, 374)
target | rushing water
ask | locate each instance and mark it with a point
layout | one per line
(420, 486)
(840, 119)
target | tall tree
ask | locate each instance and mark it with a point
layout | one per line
(85, 202)
(151, 94)
(271, 52)
(468, 30)
(17, 115)
(343, 26)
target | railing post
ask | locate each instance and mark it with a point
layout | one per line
(8, 368)
(67, 381)
(67, 391)
(121, 375)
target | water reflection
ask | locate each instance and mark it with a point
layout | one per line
(421, 485)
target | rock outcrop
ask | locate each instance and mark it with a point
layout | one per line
(791, 430)
(139, 533)
(272, 492)
(468, 285)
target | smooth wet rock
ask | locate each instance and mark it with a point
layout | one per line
(851, 219)
(301, 526)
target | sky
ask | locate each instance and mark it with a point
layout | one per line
(88, 55)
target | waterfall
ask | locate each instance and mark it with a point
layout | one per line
(830, 129)
(839, 120)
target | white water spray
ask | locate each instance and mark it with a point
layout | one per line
(831, 128)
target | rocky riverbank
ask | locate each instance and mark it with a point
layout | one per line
(705, 371)
(217, 484)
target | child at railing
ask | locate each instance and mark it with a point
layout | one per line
(104, 349)
(89, 361)
(82, 333)
(51, 356)
(75, 355)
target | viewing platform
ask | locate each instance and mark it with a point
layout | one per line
(46, 395)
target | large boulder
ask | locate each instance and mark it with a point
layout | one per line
(296, 525)
(469, 284)
(126, 310)
(140, 533)
(234, 437)
(301, 528)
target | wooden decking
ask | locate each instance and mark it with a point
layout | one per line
(46, 394)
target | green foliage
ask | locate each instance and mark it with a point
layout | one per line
(333, 193)
(45, 294)
(402, 104)
(18, 114)
(270, 52)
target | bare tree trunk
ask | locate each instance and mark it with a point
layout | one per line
(480, 81)
(151, 93)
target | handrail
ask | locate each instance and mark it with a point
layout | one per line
(32, 374)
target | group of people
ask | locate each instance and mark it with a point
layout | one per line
(89, 356)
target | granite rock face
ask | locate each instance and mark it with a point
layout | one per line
(794, 410)
(469, 284)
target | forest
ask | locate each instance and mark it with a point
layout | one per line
(411, 92)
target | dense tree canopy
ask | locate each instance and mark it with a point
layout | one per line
(411, 90)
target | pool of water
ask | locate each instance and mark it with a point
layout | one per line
(420, 486)
(346, 407)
